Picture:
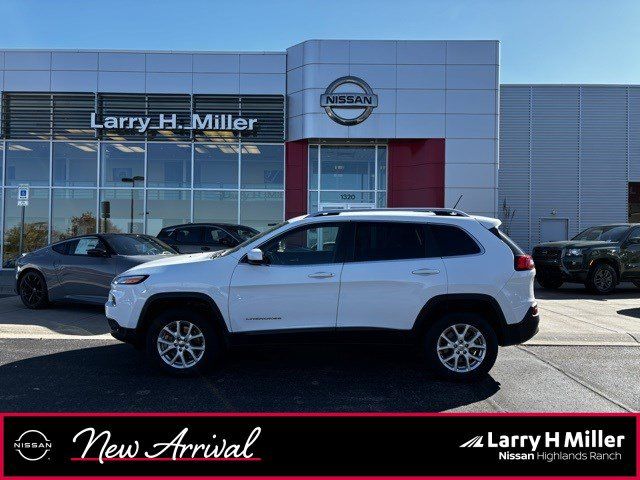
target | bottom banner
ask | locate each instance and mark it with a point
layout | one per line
(319, 444)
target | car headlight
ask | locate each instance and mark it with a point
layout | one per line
(129, 279)
(574, 252)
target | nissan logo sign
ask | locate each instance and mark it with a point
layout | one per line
(348, 100)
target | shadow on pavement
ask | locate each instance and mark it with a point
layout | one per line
(574, 291)
(302, 378)
(65, 318)
(630, 312)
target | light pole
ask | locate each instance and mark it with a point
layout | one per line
(132, 181)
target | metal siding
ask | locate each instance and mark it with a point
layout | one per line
(603, 156)
(634, 133)
(514, 178)
(555, 147)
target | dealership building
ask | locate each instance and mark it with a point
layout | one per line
(133, 141)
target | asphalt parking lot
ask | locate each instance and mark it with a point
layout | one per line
(585, 358)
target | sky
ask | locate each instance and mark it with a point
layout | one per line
(542, 41)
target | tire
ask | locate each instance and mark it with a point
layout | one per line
(197, 355)
(549, 283)
(33, 290)
(440, 335)
(602, 279)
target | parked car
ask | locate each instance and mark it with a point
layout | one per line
(599, 257)
(450, 283)
(82, 268)
(205, 237)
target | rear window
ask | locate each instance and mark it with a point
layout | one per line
(453, 241)
(391, 241)
(510, 243)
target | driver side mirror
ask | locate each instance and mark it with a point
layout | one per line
(97, 252)
(255, 257)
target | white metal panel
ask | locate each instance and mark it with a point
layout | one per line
(634, 133)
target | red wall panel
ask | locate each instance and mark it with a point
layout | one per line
(416, 173)
(296, 179)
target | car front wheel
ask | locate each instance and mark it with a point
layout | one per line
(182, 343)
(602, 279)
(461, 347)
(33, 290)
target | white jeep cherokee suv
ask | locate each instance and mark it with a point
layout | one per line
(450, 283)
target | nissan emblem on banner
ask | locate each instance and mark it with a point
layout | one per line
(347, 105)
(23, 195)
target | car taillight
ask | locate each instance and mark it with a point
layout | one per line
(523, 262)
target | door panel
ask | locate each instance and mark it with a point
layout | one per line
(83, 277)
(630, 256)
(299, 286)
(394, 273)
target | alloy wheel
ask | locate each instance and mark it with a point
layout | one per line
(603, 279)
(32, 289)
(181, 344)
(461, 347)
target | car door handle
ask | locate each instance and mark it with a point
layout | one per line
(426, 271)
(320, 275)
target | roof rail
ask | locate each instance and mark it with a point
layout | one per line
(449, 212)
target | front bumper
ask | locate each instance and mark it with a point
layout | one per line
(127, 335)
(522, 331)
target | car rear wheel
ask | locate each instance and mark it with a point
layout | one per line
(182, 343)
(461, 347)
(602, 279)
(33, 290)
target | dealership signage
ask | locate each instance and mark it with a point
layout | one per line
(349, 100)
(169, 121)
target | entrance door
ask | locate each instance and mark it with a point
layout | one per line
(553, 229)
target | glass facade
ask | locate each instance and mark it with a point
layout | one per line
(73, 182)
(347, 176)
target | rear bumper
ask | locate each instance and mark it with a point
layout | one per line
(127, 335)
(522, 331)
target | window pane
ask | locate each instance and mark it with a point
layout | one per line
(453, 241)
(122, 160)
(83, 245)
(27, 162)
(73, 213)
(188, 235)
(215, 206)
(74, 164)
(313, 167)
(347, 168)
(1, 160)
(263, 166)
(390, 241)
(261, 209)
(382, 168)
(348, 197)
(169, 165)
(312, 206)
(382, 200)
(305, 246)
(166, 208)
(215, 166)
(120, 202)
(35, 223)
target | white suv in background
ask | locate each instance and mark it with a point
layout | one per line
(450, 283)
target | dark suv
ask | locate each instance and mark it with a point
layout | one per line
(600, 257)
(205, 237)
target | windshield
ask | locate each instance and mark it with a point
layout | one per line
(243, 233)
(138, 245)
(603, 234)
(257, 237)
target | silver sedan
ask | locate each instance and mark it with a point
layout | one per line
(81, 268)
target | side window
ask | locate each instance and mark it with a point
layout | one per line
(391, 241)
(61, 247)
(310, 245)
(83, 245)
(188, 235)
(453, 241)
(217, 236)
